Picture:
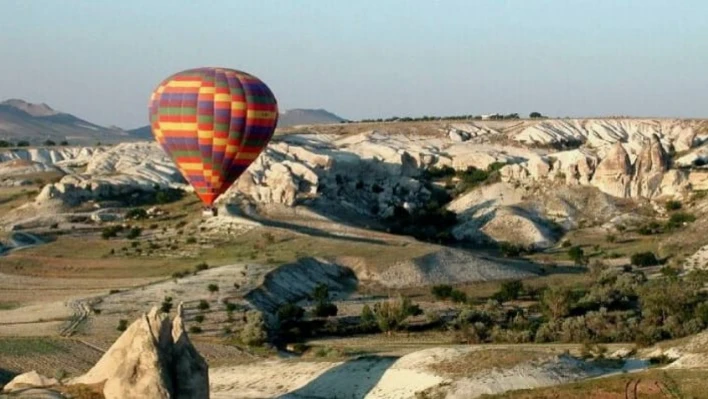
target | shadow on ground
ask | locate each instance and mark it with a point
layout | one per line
(351, 380)
(311, 231)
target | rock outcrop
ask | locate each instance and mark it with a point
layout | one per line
(153, 358)
(649, 177)
(31, 379)
(652, 162)
(614, 173)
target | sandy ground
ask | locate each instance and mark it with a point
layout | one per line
(44, 306)
(389, 377)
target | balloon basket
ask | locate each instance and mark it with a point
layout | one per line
(209, 212)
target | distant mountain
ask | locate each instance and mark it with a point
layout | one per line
(288, 118)
(20, 120)
(144, 133)
(294, 117)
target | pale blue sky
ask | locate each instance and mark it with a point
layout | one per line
(100, 59)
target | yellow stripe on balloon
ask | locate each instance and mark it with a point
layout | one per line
(238, 105)
(220, 141)
(186, 166)
(178, 126)
(184, 83)
(222, 97)
(207, 90)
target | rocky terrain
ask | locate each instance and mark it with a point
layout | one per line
(372, 173)
(369, 212)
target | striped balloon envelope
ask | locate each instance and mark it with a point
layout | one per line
(213, 122)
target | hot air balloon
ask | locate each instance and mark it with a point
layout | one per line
(213, 122)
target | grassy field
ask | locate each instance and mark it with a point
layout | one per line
(481, 360)
(49, 356)
(651, 384)
(93, 257)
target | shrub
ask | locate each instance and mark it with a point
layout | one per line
(650, 228)
(203, 305)
(556, 301)
(290, 312)
(136, 214)
(678, 219)
(673, 205)
(325, 309)
(195, 330)
(367, 318)
(199, 318)
(435, 172)
(23, 143)
(166, 305)
(134, 233)
(180, 274)
(376, 189)
(5, 144)
(441, 291)
(111, 231)
(611, 238)
(458, 296)
(643, 259)
(254, 332)
(510, 250)
(566, 244)
(122, 325)
(213, 288)
(391, 315)
(200, 267)
(230, 307)
(509, 290)
(64, 143)
(669, 272)
(577, 255)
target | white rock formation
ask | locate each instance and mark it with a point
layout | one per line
(614, 173)
(31, 379)
(599, 133)
(153, 358)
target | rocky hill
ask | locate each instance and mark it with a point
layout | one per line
(373, 174)
(36, 123)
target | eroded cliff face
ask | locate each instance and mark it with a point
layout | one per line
(648, 177)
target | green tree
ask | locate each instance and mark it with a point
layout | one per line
(643, 259)
(577, 255)
(254, 332)
(556, 302)
(391, 315)
(367, 318)
(509, 290)
(441, 291)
